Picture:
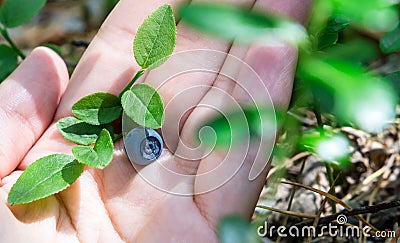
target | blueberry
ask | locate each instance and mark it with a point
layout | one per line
(143, 145)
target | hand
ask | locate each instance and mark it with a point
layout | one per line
(115, 204)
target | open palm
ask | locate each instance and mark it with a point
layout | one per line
(115, 204)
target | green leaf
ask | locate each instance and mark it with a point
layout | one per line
(8, 61)
(97, 109)
(80, 132)
(330, 35)
(234, 23)
(144, 106)
(390, 42)
(16, 12)
(155, 39)
(45, 177)
(234, 229)
(336, 24)
(239, 125)
(99, 156)
(327, 39)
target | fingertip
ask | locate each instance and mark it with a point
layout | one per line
(57, 69)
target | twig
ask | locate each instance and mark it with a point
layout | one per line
(354, 212)
(337, 200)
(293, 192)
(289, 164)
(290, 213)
(396, 238)
(318, 216)
(372, 177)
(80, 43)
(381, 171)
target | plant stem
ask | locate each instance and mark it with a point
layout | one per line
(329, 170)
(118, 137)
(4, 33)
(331, 180)
(129, 86)
(317, 112)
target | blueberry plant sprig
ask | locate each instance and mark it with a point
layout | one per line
(153, 44)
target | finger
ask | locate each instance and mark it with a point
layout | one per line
(276, 66)
(29, 98)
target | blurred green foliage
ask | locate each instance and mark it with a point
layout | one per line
(334, 77)
(109, 5)
(234, 229)
(232, 23)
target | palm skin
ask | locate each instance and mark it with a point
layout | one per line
(116, 204)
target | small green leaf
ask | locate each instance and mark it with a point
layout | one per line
(234, 229)
(16, 12)
(45, 177)
(97, 109)
(8, 61)
(327, 39)
(155, 38)
(330, 35)
(144, 106)
(390, 42)
(336, 24)
(80, 132)
(234, 23)
(99, 156)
